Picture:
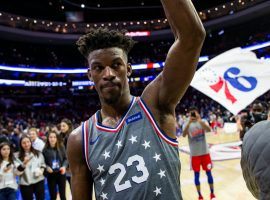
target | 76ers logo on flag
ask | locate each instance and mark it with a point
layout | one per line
(241, 83)
(234, 78)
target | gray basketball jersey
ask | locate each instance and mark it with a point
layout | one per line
(134, 160)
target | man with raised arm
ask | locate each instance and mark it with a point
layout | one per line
(128, 149)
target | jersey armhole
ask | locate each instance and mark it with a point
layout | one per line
(157, 129)
(85, 137)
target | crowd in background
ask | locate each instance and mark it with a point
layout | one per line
(65, 56)
(29, 154)
(38, 136)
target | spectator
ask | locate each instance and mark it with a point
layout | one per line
(66, 128)
(15, 139)
(8, 172)
(37, 143)
(32, 180)
(56, 162)
(4, 136)
(248, 119)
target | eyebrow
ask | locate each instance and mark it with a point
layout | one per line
(114, 60)
(95, 63)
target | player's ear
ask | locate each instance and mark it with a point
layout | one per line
(89, 74)
(129, 70)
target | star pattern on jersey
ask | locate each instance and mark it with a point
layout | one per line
(161, 173)
(106, 154)
(157, 157)
(119, 144)
(146, 144)
(157, 191)
(102, 181)
(100, 168)
(104, 196)
(133, 139)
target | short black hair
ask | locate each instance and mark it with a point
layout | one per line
(193, 108)
(102, 38)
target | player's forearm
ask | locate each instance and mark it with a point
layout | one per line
(183, 19)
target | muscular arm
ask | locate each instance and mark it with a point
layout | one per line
(81, 181)
(168, 88)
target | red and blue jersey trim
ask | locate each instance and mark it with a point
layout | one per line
(157, 129)
(119, 125)
(85, 136)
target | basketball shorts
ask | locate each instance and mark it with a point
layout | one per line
(203, 160)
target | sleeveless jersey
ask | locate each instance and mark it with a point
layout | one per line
(135, 160)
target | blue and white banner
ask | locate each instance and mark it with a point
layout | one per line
(234, 79)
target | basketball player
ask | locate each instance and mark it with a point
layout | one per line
(128, 149)
(195, 128)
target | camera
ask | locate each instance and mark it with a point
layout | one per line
(258, 117)
(249, 119)
(193, 114)
(9, 164)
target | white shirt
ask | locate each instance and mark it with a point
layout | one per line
(8, 179)
(29, 175)
(38, 144)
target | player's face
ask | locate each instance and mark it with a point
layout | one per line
(109, 70)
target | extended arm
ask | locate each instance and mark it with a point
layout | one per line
(168, 88)
(81, 181)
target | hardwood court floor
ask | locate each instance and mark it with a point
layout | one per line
(228, 180)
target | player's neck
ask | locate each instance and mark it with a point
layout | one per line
(116, 110)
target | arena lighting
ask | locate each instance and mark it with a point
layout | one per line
(83, 70)
(135, 67)
(12, 82)
(138, 33)
(49, 71)
(221, 32)
(221, 9)
(23, 83)
(82, 83)
(7, 82)
(257, 46)
(203, 58)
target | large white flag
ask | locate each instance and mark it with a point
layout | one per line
(234, 79)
